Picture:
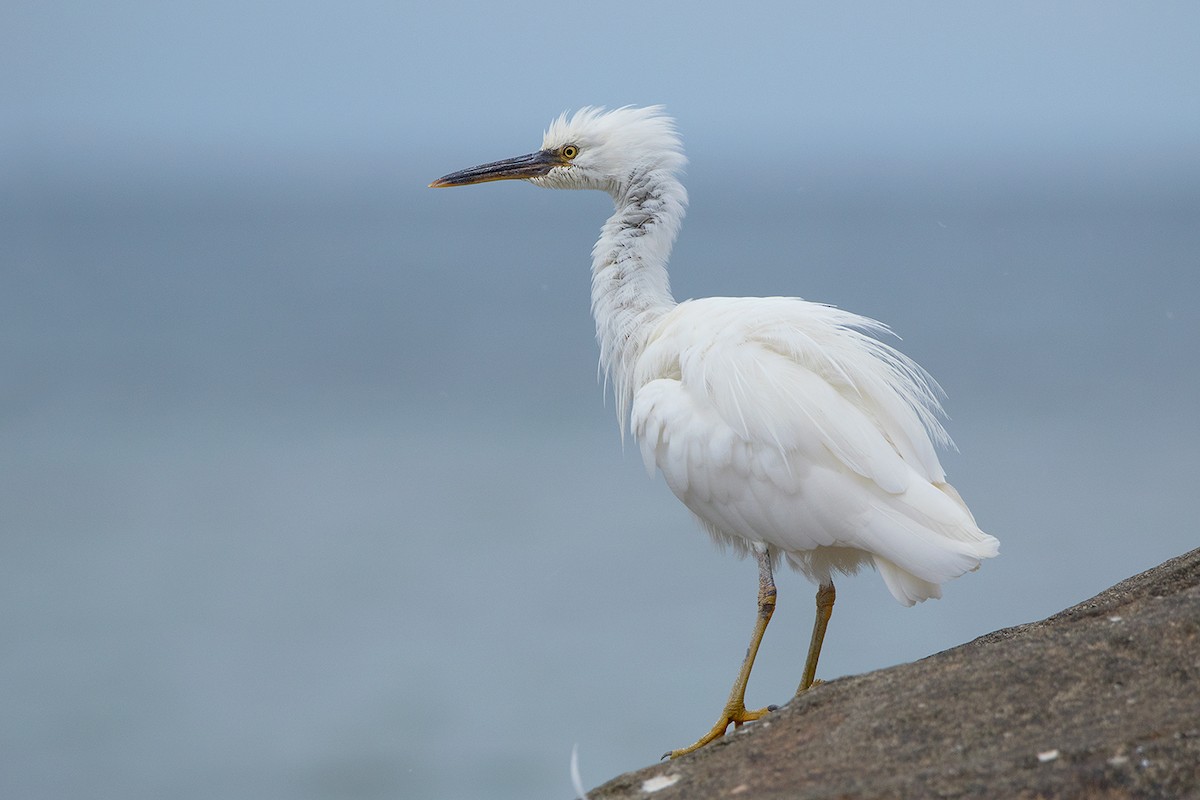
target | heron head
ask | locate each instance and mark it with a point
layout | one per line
(590, 149)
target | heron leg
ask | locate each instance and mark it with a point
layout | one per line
(735, 707)
(825, 597)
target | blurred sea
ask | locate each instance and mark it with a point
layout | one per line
(309, 489)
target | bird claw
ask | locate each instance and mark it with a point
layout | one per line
(739, 716)
(817, 682)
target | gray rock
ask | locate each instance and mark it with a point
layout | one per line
(1099, 701)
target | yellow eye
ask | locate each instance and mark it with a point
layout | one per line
(570, 151)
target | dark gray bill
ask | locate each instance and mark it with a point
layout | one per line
(522, 167)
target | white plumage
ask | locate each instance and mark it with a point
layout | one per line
(774, 420)
(780, 423)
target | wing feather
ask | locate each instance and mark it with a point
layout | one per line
(781, 421)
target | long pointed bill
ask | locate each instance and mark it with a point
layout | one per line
(533, 165)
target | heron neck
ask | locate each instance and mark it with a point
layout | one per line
(630, 287)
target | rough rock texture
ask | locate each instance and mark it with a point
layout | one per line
(1099, 701)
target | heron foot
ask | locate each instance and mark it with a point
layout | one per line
(736, 714)
(817, 682)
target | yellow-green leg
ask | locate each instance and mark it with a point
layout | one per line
(825, 597)
(735, 707)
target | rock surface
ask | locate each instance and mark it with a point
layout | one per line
(1099, 701)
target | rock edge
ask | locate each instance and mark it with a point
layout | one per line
(1101, 700)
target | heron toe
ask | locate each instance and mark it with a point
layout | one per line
(738, 715)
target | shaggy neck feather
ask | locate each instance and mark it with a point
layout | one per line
(630, 288)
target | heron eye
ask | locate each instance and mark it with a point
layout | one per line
(570, 151)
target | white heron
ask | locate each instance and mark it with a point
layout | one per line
(783, 426)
